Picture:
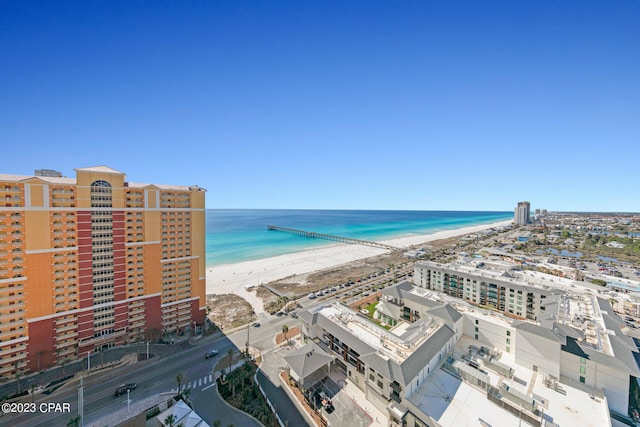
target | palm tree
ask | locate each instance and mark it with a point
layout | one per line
(285, 329)
(230, 356)
(179, 380)
(170, 420)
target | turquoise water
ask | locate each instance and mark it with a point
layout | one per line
(236, 235)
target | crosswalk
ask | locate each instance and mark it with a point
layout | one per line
(207, 379)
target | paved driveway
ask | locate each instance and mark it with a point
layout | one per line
(269, 379)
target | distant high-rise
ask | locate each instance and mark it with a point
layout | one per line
(521, 213)
(92, 262)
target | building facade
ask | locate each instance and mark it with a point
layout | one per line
(577, 341)
(482, 288)
(386, 365)
(522, 213)
(94, 262)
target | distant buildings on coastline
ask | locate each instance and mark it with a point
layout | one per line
(94, 261)
(522, 213)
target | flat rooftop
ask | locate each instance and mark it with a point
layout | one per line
(451, 401)
(386, 343)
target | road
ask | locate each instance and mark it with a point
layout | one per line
(153, 376)
(158, 375)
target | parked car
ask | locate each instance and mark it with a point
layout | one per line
(211, 353)
(256, 324)
(122, 389)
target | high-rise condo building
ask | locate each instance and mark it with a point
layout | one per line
(94, 262)
(521, 213)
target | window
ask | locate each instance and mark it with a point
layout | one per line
(379, 383)
(582, 379)
(508, 333)
(508, 349)
(583, 370)
(476, 336)
(508, 340)
(583, 360)
(476, 323)
(476, 329)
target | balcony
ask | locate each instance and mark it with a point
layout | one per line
(13, 287)
(18, 333)
(66, 327)
(395, 386)
(67, 335)
(15, 317)
(11, 359)
(66, 349)
(17, 298)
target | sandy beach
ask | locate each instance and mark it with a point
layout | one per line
(236, 278)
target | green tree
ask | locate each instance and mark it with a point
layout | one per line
(285, 329)
(74, 422)
(179, 380)
(170, 420)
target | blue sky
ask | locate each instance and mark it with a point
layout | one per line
(339, 105)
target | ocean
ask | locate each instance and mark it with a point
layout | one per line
(236, 235)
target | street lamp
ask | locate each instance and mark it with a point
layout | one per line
(248, 329)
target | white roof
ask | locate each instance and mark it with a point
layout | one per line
(100, 169)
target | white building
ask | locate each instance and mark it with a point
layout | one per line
(496, 290)
(521, 213)
(386, 365)
(577, 341)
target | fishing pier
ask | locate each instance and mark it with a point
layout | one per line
(314, 235)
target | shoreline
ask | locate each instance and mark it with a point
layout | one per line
(236, 278)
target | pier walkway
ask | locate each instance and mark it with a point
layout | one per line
(314, 235)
